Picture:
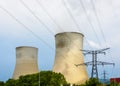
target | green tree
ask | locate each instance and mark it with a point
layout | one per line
(29, 80)
(49, 78)
(92, 82)
(1, 83)
(11, 82)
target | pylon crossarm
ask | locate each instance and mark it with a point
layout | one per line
(86, 52)
(102, 50)
(87, 63)
(105, 73)
(104, 63)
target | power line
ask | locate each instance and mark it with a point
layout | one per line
(31, 31)
(53, 20)
(51, 17)
(99, 23)
(69, 12)
(78, 27)
(89, 20)
(22, 2)
(71, 15)
(25, 27)
(40, 4)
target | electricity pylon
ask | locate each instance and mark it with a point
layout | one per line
(104, 75)
(95, 62)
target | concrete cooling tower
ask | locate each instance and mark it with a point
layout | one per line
(68, 53)
(26, 61)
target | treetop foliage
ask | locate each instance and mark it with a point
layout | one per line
(47, 78)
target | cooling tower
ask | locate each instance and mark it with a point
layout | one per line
(68, 53)
(26, 61)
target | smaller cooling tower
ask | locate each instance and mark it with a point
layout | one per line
(68, 54)
(26, 61)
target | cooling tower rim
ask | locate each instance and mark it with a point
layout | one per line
(69, 32)
(26, 47)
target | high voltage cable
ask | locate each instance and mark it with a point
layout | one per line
(50, 16)
(53, 20)
(22, 2)
(99, 23)
(40, 4)
(38, 18)
(25, 27)
(71, 15)
(78, 27)
(89, 20)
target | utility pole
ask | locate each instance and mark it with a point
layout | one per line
(95, 62)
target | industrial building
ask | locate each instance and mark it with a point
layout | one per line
(117, 80)
(26, 61)
(68, 53)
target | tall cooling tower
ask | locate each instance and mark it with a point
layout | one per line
(68, 53)
(26, 61)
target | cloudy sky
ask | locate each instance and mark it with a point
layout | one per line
(35, 22)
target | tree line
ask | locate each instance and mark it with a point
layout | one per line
(49, 78)
(44, 78)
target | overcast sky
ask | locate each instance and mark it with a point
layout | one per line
(89, 17)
